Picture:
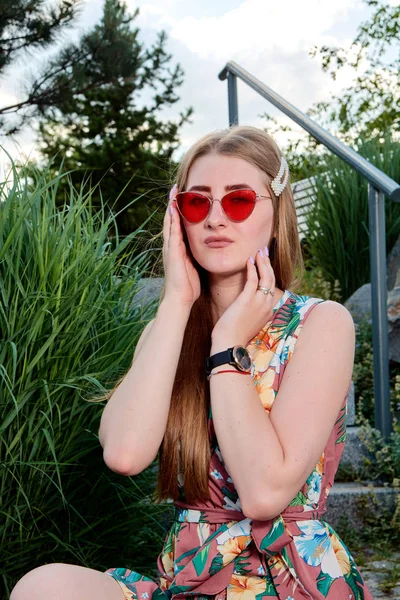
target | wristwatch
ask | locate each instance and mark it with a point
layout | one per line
(237, 356)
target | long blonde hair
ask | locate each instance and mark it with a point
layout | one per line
(185, 446)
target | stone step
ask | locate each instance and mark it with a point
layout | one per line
(354, 450)
(352, 506)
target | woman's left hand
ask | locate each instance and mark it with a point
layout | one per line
(252, 309)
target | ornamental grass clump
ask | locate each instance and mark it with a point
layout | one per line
(69, 324)
(338, 223)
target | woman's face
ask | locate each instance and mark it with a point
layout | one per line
(214, 175)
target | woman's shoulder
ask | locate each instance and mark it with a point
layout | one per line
(318, 313)
(295, 306)
(321, 314)
(302, 303)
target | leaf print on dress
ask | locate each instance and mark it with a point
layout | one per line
(200, 559)
(341, 425)
(324, 582)
(355, 581)
(276, 531)
(288, 320)
(299, 499)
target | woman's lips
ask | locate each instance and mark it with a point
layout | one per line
(218, 244)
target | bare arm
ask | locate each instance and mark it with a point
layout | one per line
(133, 423)
(270, 456)
(134, 420)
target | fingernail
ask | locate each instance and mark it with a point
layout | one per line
(172, 192)
(171, 210)
(266, 250)
(261, 253)
(252, 260)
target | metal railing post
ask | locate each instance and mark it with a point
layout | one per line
(377, 249)
(233, 100)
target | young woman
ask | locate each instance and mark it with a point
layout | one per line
(240, 385)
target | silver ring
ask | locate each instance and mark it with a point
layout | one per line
(265, 290)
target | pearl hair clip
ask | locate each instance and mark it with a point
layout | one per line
(277, 185)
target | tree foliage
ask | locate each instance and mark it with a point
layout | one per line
(27, 25)
(372, 103)
(367, 108)
(105, 118)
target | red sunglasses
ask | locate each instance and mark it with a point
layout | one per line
(237, 205)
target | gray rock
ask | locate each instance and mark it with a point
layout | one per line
(352, 501)
(377, 573)
(354, 450)
(150, 289)
(359, 304)
(393, 266)
(394, 323)
(351, 407)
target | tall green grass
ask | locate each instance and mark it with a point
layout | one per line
(68, 328)
(338, 222)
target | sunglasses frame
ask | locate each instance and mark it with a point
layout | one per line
(211, 200)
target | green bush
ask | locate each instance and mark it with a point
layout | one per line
(68, 330)
(337, 222)
(363, 377)
(384, 461)
(314, 284)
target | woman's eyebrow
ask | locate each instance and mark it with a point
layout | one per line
(228, 188)
(199, 188)
(238, 186)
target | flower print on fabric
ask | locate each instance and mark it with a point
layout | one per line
(314, 487)
(315, 548)
(245, 588)
(213, 552)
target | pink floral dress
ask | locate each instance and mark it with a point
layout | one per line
(213, 551)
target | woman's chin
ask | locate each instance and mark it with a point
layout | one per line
(226, 269)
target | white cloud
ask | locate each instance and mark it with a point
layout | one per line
(255, 27)
(272, 41)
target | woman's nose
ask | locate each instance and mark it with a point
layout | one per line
(216, 214)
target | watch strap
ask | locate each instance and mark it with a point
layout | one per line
(220, 358)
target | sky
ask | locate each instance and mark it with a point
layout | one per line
(271, 39)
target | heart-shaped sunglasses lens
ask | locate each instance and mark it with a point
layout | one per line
(237, 205)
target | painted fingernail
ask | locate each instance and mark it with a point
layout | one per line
(252, 260)
(261, 253)
(266, 250)
(173, 191)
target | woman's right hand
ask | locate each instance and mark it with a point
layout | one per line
(182, 281)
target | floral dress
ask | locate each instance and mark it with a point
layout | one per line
(212, 550)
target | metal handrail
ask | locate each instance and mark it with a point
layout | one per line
(376, 177)
(379, 184)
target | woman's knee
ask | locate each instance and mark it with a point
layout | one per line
(62, 581)
(38, 581)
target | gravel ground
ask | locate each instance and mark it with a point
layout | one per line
(383, 577)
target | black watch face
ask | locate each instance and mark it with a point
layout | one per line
(242, 357)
